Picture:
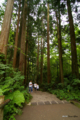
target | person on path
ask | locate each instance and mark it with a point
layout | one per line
(35, 86)
(30, 86)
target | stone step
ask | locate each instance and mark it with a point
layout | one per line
(48, 102)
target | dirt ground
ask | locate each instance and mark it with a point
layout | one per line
(39, 96)
(45, 106)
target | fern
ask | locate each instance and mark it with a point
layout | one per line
(10, 85)
(18, 98)
(1, 92)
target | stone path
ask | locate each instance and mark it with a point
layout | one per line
(45, 106)
(44, 98)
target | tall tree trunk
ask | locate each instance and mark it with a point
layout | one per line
(23, 36)
(41, 60)
(48, 49)
(16, 38)
(19, 43)
(6, 27)
(38, 60)
(73, 44)
(32, 71)
(59, 45)
(25, 67)
(26, 59)
(28, 71)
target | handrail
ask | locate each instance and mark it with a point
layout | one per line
(4, 103)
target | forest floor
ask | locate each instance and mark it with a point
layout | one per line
(46, 106)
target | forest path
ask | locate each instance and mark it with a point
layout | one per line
(46, 106)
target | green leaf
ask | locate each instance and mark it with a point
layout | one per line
(9, 96)
(1, 92)
(18, 97)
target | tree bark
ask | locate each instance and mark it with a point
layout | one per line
(60, 46)
(28, 70)
(38, 60)
(26, 59)
(6, 27)
(48, 49)
(75, 71)
(23, 36)
(41, 60)
(19, 42)
(16, 38)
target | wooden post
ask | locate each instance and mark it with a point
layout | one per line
(1, 110)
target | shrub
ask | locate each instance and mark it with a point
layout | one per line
(11, 85)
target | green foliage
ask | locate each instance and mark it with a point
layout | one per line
(73, 95)
(27, 96)
(47, 86)
(9, 111)
(18, 98)
(1, 92)
(13, 79)
(76, 82)
(15, 105)
(69, 91)
(11, 85)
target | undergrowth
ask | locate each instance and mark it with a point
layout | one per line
(70, 90)
(11, 85)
